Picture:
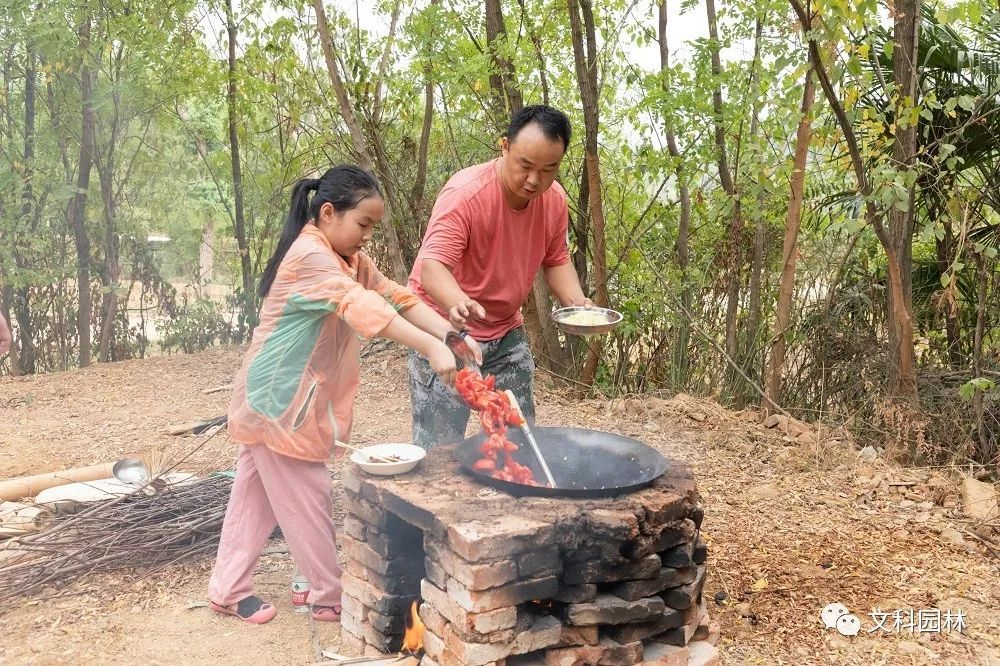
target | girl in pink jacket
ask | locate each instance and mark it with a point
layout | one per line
(294, 394)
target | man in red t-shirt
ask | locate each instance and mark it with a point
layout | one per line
(493, 226)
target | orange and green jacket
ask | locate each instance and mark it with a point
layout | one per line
(295, 390)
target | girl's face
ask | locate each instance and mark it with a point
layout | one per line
(349, 231)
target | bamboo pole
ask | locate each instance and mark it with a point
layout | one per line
(29, 486)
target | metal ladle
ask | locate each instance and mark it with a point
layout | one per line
(131, 470)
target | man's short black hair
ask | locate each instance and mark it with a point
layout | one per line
(553, 122)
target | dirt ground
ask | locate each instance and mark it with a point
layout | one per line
(793, 524)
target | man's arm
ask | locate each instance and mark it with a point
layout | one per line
(441, 285)
(565, 285)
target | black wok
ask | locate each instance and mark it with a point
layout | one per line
(584, 463)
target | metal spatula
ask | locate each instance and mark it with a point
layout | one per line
(526, 429)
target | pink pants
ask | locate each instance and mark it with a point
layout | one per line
(271, 489)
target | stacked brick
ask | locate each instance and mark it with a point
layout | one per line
(382, 575)
(479, 593)
(605, 584)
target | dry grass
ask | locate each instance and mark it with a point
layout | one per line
(794, 522)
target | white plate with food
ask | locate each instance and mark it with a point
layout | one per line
(388, 459)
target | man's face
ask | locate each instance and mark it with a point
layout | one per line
(531, 163)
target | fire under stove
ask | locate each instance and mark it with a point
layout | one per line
(504, 580)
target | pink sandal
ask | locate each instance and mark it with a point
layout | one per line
(326, 613)
(252, 609)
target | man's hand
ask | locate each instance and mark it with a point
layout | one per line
(581, 303)
(460, 313)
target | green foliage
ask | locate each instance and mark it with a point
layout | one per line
(977, 385)
(162, 142)
(196, 327)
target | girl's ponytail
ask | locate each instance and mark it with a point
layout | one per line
(298, 215)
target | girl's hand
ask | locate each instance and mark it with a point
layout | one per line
(443, 362)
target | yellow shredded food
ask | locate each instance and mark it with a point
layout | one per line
(584, 318)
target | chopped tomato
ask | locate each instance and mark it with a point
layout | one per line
(495, 414)
(484, 465)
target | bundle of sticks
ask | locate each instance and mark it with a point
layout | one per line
(139, 532)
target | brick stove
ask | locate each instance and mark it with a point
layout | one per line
(518, 581)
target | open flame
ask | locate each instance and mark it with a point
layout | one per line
(413, 637)
(543, 603)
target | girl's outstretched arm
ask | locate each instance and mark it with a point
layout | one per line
(426, 319)
(441, 360)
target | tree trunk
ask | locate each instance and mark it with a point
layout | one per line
(23, 359)
(536, 42)
(239, 220)
(420, 181)
(6, 296)
(680, 352)
(945, 248)
(206, 252)
(397, 268)
(750, 362)
(501, 68)
(557, 357)
(401, 253)
(580, 226)
(986, 449)
(65, 348)
(78, 204)
(586, 66)
(407, 239)
(903, 366)
(375, 116)
(903, 362)
(27, 191)
(112, 271)
(30, 86)
(786, 284)
(734, 258)
(586, 73)
(503, 79)
(906, 32)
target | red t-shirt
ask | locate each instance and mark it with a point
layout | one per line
(493, 250)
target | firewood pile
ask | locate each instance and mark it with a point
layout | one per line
(159, 524)
(138, 532)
